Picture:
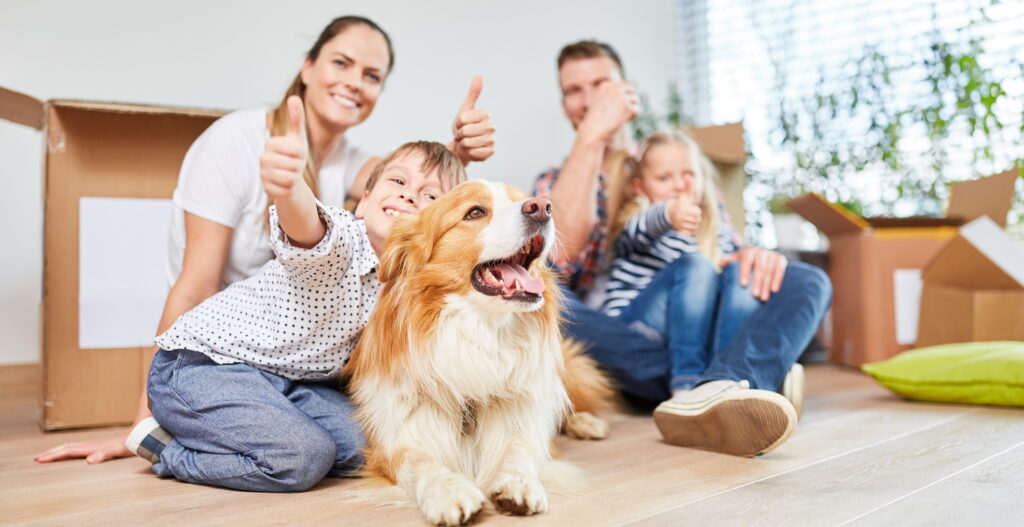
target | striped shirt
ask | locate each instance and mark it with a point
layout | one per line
(647, 244)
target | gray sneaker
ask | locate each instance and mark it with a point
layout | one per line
(728, 417)
(793, 388)
(147, 440)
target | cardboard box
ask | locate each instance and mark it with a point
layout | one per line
(874, 264)
(94, 149)
(974, 288)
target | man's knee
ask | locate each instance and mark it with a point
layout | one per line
(811, 281)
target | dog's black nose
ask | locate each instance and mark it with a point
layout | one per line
(537, 209)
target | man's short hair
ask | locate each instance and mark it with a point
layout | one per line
(588, 49)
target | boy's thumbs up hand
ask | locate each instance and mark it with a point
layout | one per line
(296, 118)
(284, 157)
(472, 129)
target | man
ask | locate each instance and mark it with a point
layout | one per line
(733, 407)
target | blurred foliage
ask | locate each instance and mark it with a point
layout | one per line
(649, 120)
(862, 120)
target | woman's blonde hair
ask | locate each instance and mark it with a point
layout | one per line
(631, 204)
(279, 116)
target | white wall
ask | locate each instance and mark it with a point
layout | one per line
(233, 54)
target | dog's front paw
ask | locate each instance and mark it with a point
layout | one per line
(519, 495)
(585, 425)
(451, 500)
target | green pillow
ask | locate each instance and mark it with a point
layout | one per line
(971, 372)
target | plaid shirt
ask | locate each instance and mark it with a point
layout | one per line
(579, 273)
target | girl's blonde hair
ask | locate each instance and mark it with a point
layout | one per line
(631, 204)
(279, 116)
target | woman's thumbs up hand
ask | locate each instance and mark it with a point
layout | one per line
(472, 129)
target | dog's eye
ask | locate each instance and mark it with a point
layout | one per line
(474, 213)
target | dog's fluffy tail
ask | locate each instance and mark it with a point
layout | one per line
(590, 391)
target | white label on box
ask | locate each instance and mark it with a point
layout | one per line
(122, 262)
(907, 287)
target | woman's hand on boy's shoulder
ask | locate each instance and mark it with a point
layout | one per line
(472, 130)
(95, 451)
(762, 269)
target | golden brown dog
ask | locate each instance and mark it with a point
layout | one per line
(460, 378)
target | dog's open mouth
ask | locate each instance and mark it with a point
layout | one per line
(509, 278)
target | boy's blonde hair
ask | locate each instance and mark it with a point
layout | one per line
(436, 156)
(704, 172)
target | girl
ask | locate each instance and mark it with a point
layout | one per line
(219, 231)
(686, 216)
(665, 283)
(674, 211)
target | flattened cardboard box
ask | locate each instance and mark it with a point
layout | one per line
(94, 149)
(974, 288)
(867, 255)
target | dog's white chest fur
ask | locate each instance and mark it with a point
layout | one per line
(481, 355)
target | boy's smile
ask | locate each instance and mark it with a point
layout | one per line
(402, 188)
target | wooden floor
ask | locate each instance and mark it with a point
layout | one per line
(859, 457)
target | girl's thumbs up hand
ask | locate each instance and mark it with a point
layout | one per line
(685, 215)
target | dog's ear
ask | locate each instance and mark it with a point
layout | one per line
(401, 249)
(408, 246)
(514, 193)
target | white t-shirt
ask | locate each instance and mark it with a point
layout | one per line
(220, 181)
(300, 315)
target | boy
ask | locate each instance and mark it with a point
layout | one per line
(243, 390)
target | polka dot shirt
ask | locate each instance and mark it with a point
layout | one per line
(299, 316)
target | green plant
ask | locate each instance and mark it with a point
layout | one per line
(777, 203)
(649, 121)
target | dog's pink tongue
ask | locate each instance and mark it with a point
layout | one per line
(511, 272)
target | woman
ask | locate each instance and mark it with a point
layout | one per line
(219, 232)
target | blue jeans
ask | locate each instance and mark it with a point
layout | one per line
(720, 330)
(240, 427)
